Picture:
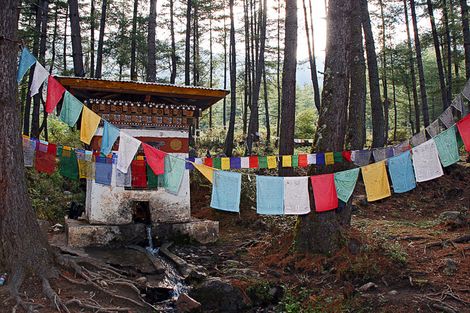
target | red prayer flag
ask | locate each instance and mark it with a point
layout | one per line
(139, 174)
(347, 155)
(464, 129)
(155, 159)
(324, 192)
(253, 161)
(54, 93)
(208, 162)
(303, 161)
(45, 161)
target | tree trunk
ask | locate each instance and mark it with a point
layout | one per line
(248, 89)
(54, 38)
(412, 72)
(356, 137)
(134, 41)
(455, 34)
(151, 47)
(286, 138)
(195, 44)
(77, 53)
(64, 52)
(233, 86)
(311, 54)
(99, 57)
(187, 50)
(24, 250)
(278, 72)
(323, 232)
(449, 53)
(92, 38)
(394, 91)
(378, 122)
(419, 60)
(440, 68)
(384, 73)
(224, 106)
(173, 44)
(36, 104)
(466, 36)
(266, 106)
(211, 64)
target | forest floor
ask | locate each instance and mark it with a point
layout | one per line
(405, 255)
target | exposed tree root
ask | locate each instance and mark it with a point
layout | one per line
(94, 307)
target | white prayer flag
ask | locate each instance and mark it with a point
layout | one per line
(426, 161)
(128, 147)
(311, 159)
(245, 162)
(296, 196)
(39, 76)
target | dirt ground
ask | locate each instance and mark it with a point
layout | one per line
(414, 260)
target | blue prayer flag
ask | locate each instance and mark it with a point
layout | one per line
(110, 134)
(320, 158)
(226, 190)
(235, 163)
(189, 165)
(401, 172)
(103, 171)
(270, 195)
(26, 61)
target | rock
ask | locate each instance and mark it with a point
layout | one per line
(217, 295)
(57, 227)
(368, 286)
(203, 231)
(187, 304)
(451, 267)
(393, 292)
(454, 219)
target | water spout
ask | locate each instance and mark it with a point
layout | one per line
(150, 248)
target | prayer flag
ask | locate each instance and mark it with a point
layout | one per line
(272, 161)
(71, 109)
(379, 154)
(139, 174)
(324, 192)
(39, 76)
(45, 161)
(103, 170)
(245, 162)
(329, 158)
(263, 162)
(205, 170)
(29, 147)
(55, 90)
(235, 162)
(155, 159)
(216, 163)
(152, 179)
(253, 161)
(361, 157)
(189, 163)
(85, 164)
(295, 160)
(426, 161)
(433, 129)
(174, 172)
(110, 135)
(26, 61)
(338, 157)
(401, 172)
(376, 181)
(311, 158)
(208, 162)
(225, 163)
(68, 163)
(446, 143)
(464, 130)
(389, 152)
(345, 182)
(270, 195)
(320, 158)
(447, 117)
(296, 196)
(226, 190)
(347, 155)
(418, 138)
(401, 147)
(303, 161)
(457, 103)
(123, 179)
(466, 90)
(286, 161)
(128, 147)
(90, 122)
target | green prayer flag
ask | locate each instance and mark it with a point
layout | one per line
(71, 109)
(262, 162)
(459, 140)
(338, 156)
(447, 147)
(295, 160)
(345, 183)
(217, 163)
(174, 171)
(152, 179)
(68, 164)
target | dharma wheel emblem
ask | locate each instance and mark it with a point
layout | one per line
(176, 144)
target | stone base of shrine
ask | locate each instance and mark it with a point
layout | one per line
(81, 234)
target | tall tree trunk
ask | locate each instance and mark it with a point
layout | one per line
(134, 41)
(99, 57)
(394, 91)
(36, 104)
(278, 72)
(286, 138)
(196, 44)
(356, 137)
(437, 49)
(187, 50)
(173, 44)
(455, 34)
(266, 106)
(92, 38)
(151, 47)
(248, 89)
(211, 64)
(311, 54)
(64, 52)
(323, 232)
(384, 73)
(224, 106)
(233, 85)
(466, 36)
(419, 60)
(378, 123)
(253, 127)
(54, 38)
(22, 253)
(77, 53)
(412, 71)
(410, 114)
(449, 52)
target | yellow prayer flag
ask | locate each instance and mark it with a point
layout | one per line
(329, 158)
(272, 161)
(85, 169)
(90, 122)
(67, 148)
(140, 158)
(225, 163)
(376, 181)
(287, 161)
(205, 170)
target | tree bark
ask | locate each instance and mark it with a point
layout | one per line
(77, 53)
(311, 54)
(449, 53)
(356, 137)
(99, 57)
(92, 38)
(286, 140)
(151, 47)
(278, 72)
(386, 101)
(211, 63)
(134, 41)
(24, 249)
(466, 36)
(233, 85)
(187, 50)
(195, 44)
(440, 68)
(64, 52)
(412, 72)
(323, 232)
(378, 123)
(54, 38)
(173, 44)
(419, 60)
(248, 86)
(394, 92)
(224, 105)
(266, 107)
